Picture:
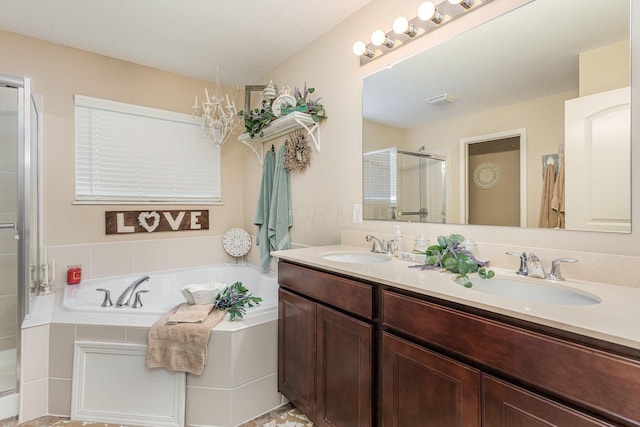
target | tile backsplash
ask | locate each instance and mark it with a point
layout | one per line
(138, 256)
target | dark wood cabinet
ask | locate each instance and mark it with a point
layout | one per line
(325, 356)
(297, 350)
(354, 353)
(506, 405)
(418, 384)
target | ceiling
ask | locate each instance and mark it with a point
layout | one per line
(526, 54)
(244, 38)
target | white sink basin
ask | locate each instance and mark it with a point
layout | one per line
(357, 257)
(536, 292)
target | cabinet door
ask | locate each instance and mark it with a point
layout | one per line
(345, 369)
(297, 351)
(420, 387)
(509, 406)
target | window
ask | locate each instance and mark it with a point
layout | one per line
(379, 170)
(132, 154)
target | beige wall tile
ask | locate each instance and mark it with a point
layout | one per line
(35, 353)
(101, 333)
(187, 253)
(60, 397)
(7, 343)
(8, 274)
(61, 341)
(8, 313)
(255, 398)
(71, 255)
(110, 259)
(218, 372)
(208, 407)
(151, 255)
(34, 400)
(247, 344)
(137, 335)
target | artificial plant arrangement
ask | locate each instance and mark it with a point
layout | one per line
(256, 120)
(449, 254)
(234, 299)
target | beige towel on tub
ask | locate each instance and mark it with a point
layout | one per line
(181, 346)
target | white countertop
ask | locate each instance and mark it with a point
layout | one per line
(615, 319)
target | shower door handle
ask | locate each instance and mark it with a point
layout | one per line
(8, 226)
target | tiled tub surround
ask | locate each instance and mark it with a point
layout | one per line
(239, 381)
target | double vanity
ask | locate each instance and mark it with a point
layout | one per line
(367, 340)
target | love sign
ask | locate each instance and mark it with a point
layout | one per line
(125, 222)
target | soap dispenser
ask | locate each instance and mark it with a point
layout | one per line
(398, 238)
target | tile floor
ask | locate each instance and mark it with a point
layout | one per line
(267, 420)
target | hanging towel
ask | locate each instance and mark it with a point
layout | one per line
(180, 346)
(557, 199)
(548, 217)
(280, 215)
(262, 212)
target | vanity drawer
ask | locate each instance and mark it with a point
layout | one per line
(588, 377)
(346, 294)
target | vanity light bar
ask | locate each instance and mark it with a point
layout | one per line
(430, 17)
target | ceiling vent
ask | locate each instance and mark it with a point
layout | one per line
(443, 99)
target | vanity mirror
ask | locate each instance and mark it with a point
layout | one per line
(545, 84)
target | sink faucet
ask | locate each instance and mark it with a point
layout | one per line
(125, 298)
(530, 265)
(380, 246)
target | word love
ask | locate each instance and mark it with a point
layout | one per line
(122, 222)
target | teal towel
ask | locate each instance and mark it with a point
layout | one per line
(280, 215)
(262, 212)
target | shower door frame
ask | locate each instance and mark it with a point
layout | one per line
(25, 188)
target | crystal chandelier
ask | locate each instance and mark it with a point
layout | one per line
(217, 120)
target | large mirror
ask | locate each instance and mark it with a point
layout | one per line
(527, 117)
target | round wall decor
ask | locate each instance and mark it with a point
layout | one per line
(486, 175)
(236, 242)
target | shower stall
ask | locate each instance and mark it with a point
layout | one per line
(19, 226)
(404, 185)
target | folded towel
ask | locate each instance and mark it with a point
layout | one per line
(189, 313)
(280, 215)
(180, 346)
(262, 212)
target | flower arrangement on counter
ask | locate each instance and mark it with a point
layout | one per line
(449, 254)
(255, 121)
(234, 299)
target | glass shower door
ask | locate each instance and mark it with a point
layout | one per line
(9, 244)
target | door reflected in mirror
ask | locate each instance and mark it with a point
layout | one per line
(523, 70)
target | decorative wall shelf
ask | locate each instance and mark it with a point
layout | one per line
(280, 127)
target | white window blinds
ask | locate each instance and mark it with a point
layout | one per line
(132, 154)
(379, 170)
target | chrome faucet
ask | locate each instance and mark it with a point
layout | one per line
(125, 298)
(530, 265)
(380, 246)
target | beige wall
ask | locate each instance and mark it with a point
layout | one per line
(604, 69)
(332, 185)
(57, 74)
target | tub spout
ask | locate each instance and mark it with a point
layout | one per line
(125, 298)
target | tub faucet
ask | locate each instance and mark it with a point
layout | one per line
(125, 298)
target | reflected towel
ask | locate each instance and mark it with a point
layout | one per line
(262, 212)
(557, 199)
(280, 215)
(548, 217)
(181, 346)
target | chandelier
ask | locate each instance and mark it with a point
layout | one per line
(217, 120)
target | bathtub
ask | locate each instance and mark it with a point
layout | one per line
(164, 289)
(239, 382)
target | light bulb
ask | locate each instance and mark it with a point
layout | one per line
(378, 37)
(426, 11)
(359, 48)
(400, 25)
